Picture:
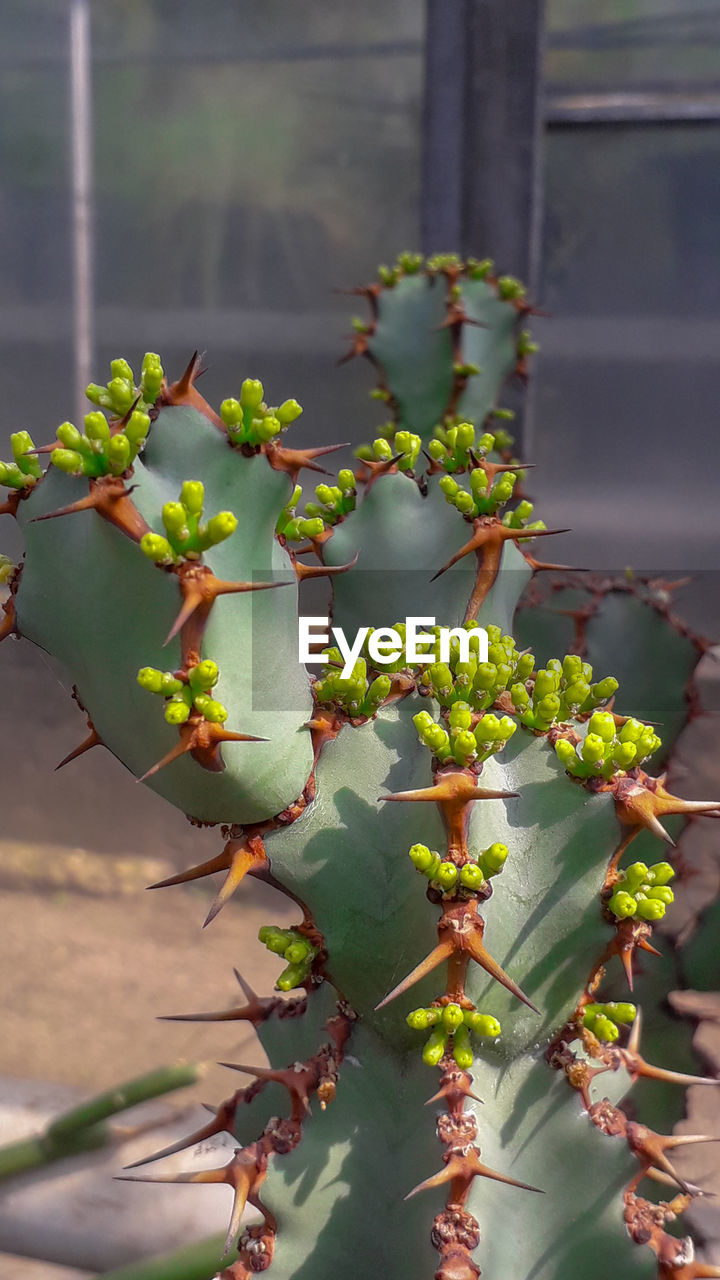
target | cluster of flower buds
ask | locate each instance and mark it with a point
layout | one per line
(449, 878)
(485, 498)
(185, 696)
(402, 445)
(607, 750)
(7, 568)
(295, 528)
(334, 501)
(408, 264)
(25, 469)
(605, 1020)
(461, 743)
(451, 1020)
(186, 537)
(294, 947)
(642, 891)
(356, 695)
(122, 392)
(249, 420)
(478, 683)
(100, 451)
(560, 691)
(455, 446)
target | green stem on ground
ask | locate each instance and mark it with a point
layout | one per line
(199, 1261)
(82, 1128)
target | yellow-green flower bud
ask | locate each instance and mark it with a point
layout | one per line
(67, 460)
(622, 905)
(446, 876)
(483, 1024)
(593, 749)
(435, 1046)
(462, 1049)
(663, 893)
(452, 1017)
(156, 548)
(177, 711)
(495, 857)
(602, 725)
(650, 908)
(661, 873)
(251, 393)
(471, 876)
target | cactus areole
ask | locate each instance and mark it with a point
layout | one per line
(449, 811)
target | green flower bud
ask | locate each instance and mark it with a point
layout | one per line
(446, 876)
(524, 666)
(546, 683)
(98, 395)
(437, 451)
(593, 749)
(604, 1029)
(483, 1024)
(602, 726)
(219, 527)
(547, 708)
(465, 437)
(462, 1049)
(156, 548)
(663, 893)
(122, 394)
(471, 876)
(464, 746)
(276, 940)
(298, 951)
(151, 679)
(118, 453)
(604, 689)
(68, 460)
(622, 905)
(174, 517)
(635, 875)
(464, 503)
(495, 857)
(169, 684)
(572, 667)
(231, 412)
(204, 675)
(520, 697)
(421, 1019)
(121, 369)
(621, 1012)
(177, 711)
(452, 1017)
(96, 427)
(435, 1047)
(650, 908)
(311, 528)
(449, 486)
(624, 755)
(661, 873)
(137, 428)
(251, 393)
(287, 412)
(460, 716)
(214, 711)
(565, 753)
(292, 977)
(421, 857)
(151, 377)
(69, 435)
(192, 496)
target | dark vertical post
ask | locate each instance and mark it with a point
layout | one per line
(483, 124)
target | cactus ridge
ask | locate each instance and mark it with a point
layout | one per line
(516, 788)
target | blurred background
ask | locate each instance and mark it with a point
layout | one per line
(177, 176)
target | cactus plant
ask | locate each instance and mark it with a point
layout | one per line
(451, 814)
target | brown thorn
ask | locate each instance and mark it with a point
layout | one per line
(304, 571)
(481, 956)
(293, 460)
(110, 498)
(462, 1169)
(183, 393)
(200, 589)
(93, 740)
(441, 952)
(244, 856)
